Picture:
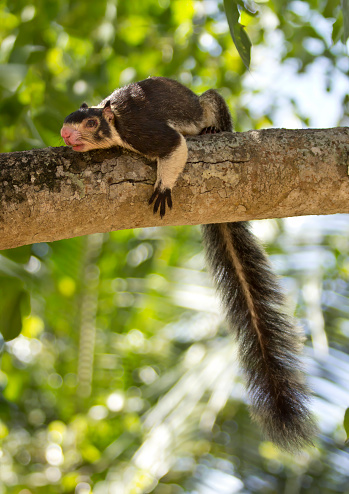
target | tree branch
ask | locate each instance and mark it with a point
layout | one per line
(54, 193)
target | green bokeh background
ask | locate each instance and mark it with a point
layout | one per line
(124, 377)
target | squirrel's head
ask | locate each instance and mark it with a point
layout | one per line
(89, 128)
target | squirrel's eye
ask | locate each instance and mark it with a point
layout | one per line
(91, 123)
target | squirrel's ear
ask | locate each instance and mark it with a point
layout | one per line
(84, 106)
(108, 112)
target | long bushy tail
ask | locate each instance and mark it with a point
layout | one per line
(268, 342)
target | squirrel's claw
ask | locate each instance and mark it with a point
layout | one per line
(161, 197)
(209, 130)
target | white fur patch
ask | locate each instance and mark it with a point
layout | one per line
(170, 168)
(187, 129)
(229, 245)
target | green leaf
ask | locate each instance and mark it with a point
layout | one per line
(240, 37)
(330, 9)
(19, 254)
(337, 28)
(346, 424)
(345, 9)
(249, 6)
(14, 303)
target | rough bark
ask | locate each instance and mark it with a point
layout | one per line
(54, 193)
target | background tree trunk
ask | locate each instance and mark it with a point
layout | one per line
(54, 193)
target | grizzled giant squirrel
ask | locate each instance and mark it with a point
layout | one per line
(152, 117)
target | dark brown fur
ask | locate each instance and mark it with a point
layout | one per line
(268, 341)
(151, 117)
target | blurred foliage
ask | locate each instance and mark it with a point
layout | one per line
(346, 424)
(54, 55)
(124, 378)
(237, 31)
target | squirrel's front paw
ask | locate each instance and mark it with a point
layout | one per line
(161, 197)
(209, 130)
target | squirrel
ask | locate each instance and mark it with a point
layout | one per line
(152, 117)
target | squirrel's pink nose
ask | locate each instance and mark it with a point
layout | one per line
(66, 132)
